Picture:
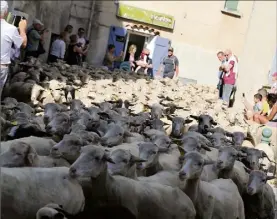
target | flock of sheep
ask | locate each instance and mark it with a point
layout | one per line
(88, 143)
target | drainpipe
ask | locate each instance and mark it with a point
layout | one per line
(90, 19)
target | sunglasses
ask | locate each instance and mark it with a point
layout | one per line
(170, 50)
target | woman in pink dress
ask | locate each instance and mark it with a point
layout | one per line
(132, 52)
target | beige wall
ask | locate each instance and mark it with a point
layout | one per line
(201, 29)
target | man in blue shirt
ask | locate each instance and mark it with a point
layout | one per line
(222, 59)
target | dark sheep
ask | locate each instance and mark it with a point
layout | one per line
(205, 122)
(178, 126)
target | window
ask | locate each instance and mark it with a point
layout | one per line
(231, 5)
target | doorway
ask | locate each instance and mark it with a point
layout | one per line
(138, 39)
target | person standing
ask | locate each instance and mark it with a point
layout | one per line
(58, 48)
(74, 51)
(83, 43)
(170, 65)
(130, 57)
(110, 58)
(222, 59)
(229, 78)
(10, 35)
(68, 31)
(35, 36)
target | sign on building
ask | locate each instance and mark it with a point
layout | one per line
(145, 16)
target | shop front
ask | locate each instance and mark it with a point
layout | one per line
(141, 29)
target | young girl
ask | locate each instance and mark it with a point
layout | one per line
(142, 61)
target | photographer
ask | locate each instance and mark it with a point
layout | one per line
(10, 35)
(35, 35)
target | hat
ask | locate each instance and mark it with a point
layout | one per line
(37, 21)
(170, 49)
(274, 74)
(4, 6)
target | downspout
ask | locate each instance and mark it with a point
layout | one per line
(90, 18)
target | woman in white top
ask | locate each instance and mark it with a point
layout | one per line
(58, 48)
(272, 114)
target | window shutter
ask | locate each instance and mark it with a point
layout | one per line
(231, 5)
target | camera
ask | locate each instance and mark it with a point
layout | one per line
(15, 17)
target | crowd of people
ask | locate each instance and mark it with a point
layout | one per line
(143, 64)
(264, 108)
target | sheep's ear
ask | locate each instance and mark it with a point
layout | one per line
(107, 158)
(194, 117)
(163, 150)
(229, 134)
(208, 162)
(135, 159)
(241, 154)
(128, 134)
(206, 148)
(247, 170)
(270, 177)
(31, 156)
(169, 117)
(187, 121)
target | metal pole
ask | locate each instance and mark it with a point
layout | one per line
(90, 19)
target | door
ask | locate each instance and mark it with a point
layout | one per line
(117, 37)
(159, 49)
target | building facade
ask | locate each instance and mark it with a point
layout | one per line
(196, 29)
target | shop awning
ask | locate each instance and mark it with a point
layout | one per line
(142, 29)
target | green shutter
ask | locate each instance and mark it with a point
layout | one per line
(231, 5)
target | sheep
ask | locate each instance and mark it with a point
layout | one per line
(50, 110)
(205, 122)
(219, 198)
(41, 145)
(218, 139)
(191, 139)
(59, 125)
(252, 160)
(238, 138)
(92, 163)
(229, 168)
(124, 164)
(114, 135)
(178, 126)
(270, 162)
(68, 148)
(43, 185)
(260, 199)
(150, 153)
(21, 154)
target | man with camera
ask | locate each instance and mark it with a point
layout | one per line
(10, 35)
(35, 35)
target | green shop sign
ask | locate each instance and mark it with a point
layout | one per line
(145, 16)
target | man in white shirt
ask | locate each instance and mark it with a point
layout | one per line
(9, 36)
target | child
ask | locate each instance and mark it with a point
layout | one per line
(258, 107)
(142, 60)
(274, 83)
(265, 106)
